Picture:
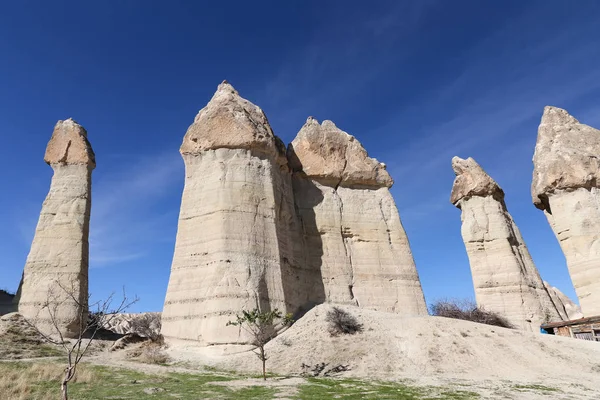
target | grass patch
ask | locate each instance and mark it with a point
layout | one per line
(534, 387)
(41, 381)
(323, 388)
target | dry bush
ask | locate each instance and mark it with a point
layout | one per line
(467, 310)
(342, 322)
(152, 353)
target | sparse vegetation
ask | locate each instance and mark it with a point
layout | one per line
(342, 322)
(35, 381)
(262, 327)
(536, 387)
(152, 353)
(75, 349)
(469, 311)
(19, 341)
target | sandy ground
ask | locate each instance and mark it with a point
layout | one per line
(424, 351)
(497, 363)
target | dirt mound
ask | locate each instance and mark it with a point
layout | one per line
(394, 347)
(20, 340)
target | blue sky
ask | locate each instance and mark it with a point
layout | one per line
(415, 82)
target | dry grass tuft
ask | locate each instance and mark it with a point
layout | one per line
(150, 353)
(17, 382)
(342, 322)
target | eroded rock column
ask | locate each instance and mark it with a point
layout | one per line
(566, 186)
(505, 278)
(352, 230)
(235, 248)
(56, 270)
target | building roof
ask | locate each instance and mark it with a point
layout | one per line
(579, 321)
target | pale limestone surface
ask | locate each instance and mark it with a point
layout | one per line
(351, 227)
(145, 324)
(56, 270)
(566, 187)
(505, 279)
(567, 309)
(236, 247)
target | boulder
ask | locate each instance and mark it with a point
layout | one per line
(566, 186)
(505, 278)
(236, 247)
(55, 277)
(353, 237)
(567, 309)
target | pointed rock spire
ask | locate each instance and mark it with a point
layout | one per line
(56, 270)
(505, 278)
(471, 180)
(236, 239)
(566, 186)
(326, 153)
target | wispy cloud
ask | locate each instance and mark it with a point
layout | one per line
(485, 107)
(134, 208)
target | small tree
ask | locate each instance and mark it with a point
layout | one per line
(262, 327)
(90, 323)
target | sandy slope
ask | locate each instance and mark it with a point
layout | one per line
(432, 350)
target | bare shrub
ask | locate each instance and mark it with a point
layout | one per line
(467, 310)
(342, 322)
(320, 369)
(89, 327)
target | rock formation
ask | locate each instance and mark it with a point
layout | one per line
(351, 227)
(56, 270)
(145, 324)
(566, 186)
(565, 306)
(6, 302)
(506, 280)
(236, 246)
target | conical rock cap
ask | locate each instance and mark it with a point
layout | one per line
(69, 145)
(326, 153)
(230, 121)
(471, 180)
(566, 156)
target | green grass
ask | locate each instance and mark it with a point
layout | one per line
(535, 387)
(100, 382)
(323, 388)
(110, 383)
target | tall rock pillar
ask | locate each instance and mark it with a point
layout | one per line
(566, 186)
(56, 270)
(505, 279)
(236, 247)
(351, 227)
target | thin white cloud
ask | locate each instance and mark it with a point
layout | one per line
(134, 208)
